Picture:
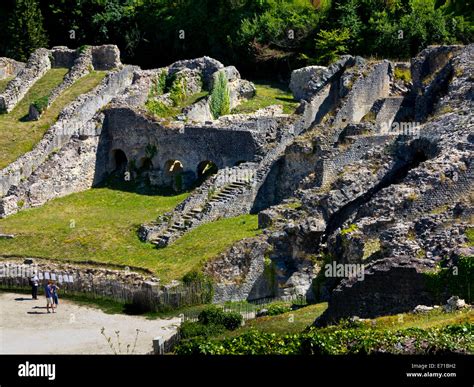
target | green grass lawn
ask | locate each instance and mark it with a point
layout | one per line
(163, 111)
(470, 236)
(105, 223)
(269, 94)
(17, 135)
(432, 319)
(295, 321)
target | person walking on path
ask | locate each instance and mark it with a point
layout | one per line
(54, 289)
(48, 292)
(34, 286)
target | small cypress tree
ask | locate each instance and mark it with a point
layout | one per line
(25, 29)
(220, 97)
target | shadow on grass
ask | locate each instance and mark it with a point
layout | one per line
(286, 99)
(139, 186)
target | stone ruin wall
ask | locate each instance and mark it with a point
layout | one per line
(71, 121)
(131, 133)
(105, 57)
(38, 64)
(10, 67)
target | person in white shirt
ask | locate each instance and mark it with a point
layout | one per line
(34, 286)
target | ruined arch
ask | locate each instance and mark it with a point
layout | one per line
(205, 169)
(119, 160)
(173, 174)
(173, 167)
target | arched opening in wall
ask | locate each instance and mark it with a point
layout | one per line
(205, 169)
(174, 173)
(239, 162)
(120, 161)
(173, 167)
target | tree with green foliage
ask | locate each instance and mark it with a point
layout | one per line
(331, 44)
(25, 30)
(220, 97)
(350, 20)
(278, 35)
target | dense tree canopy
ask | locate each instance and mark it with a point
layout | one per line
(25, 29)
(253, 34)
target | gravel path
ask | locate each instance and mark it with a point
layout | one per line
(26, 328)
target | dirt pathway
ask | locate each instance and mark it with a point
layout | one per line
(26, 328)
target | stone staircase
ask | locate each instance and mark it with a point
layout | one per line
(200, 214)
(228, 193)
(211, 203)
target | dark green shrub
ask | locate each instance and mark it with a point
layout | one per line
(212, 315)
(331, 44)
(212, 321)
(41, 103)
(220, 97)
(232, 320)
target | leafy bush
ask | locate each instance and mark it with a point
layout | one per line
(211, 315)
(331, 44)
(41, 104)
(277, 308)
(220, 97)
(216, 316)
(232, 320)
(211, 321)
(453, 338)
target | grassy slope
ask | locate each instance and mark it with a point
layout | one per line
(304, 317)
(291, 322)
(106, 221)
(269, 94)
(17, 135)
